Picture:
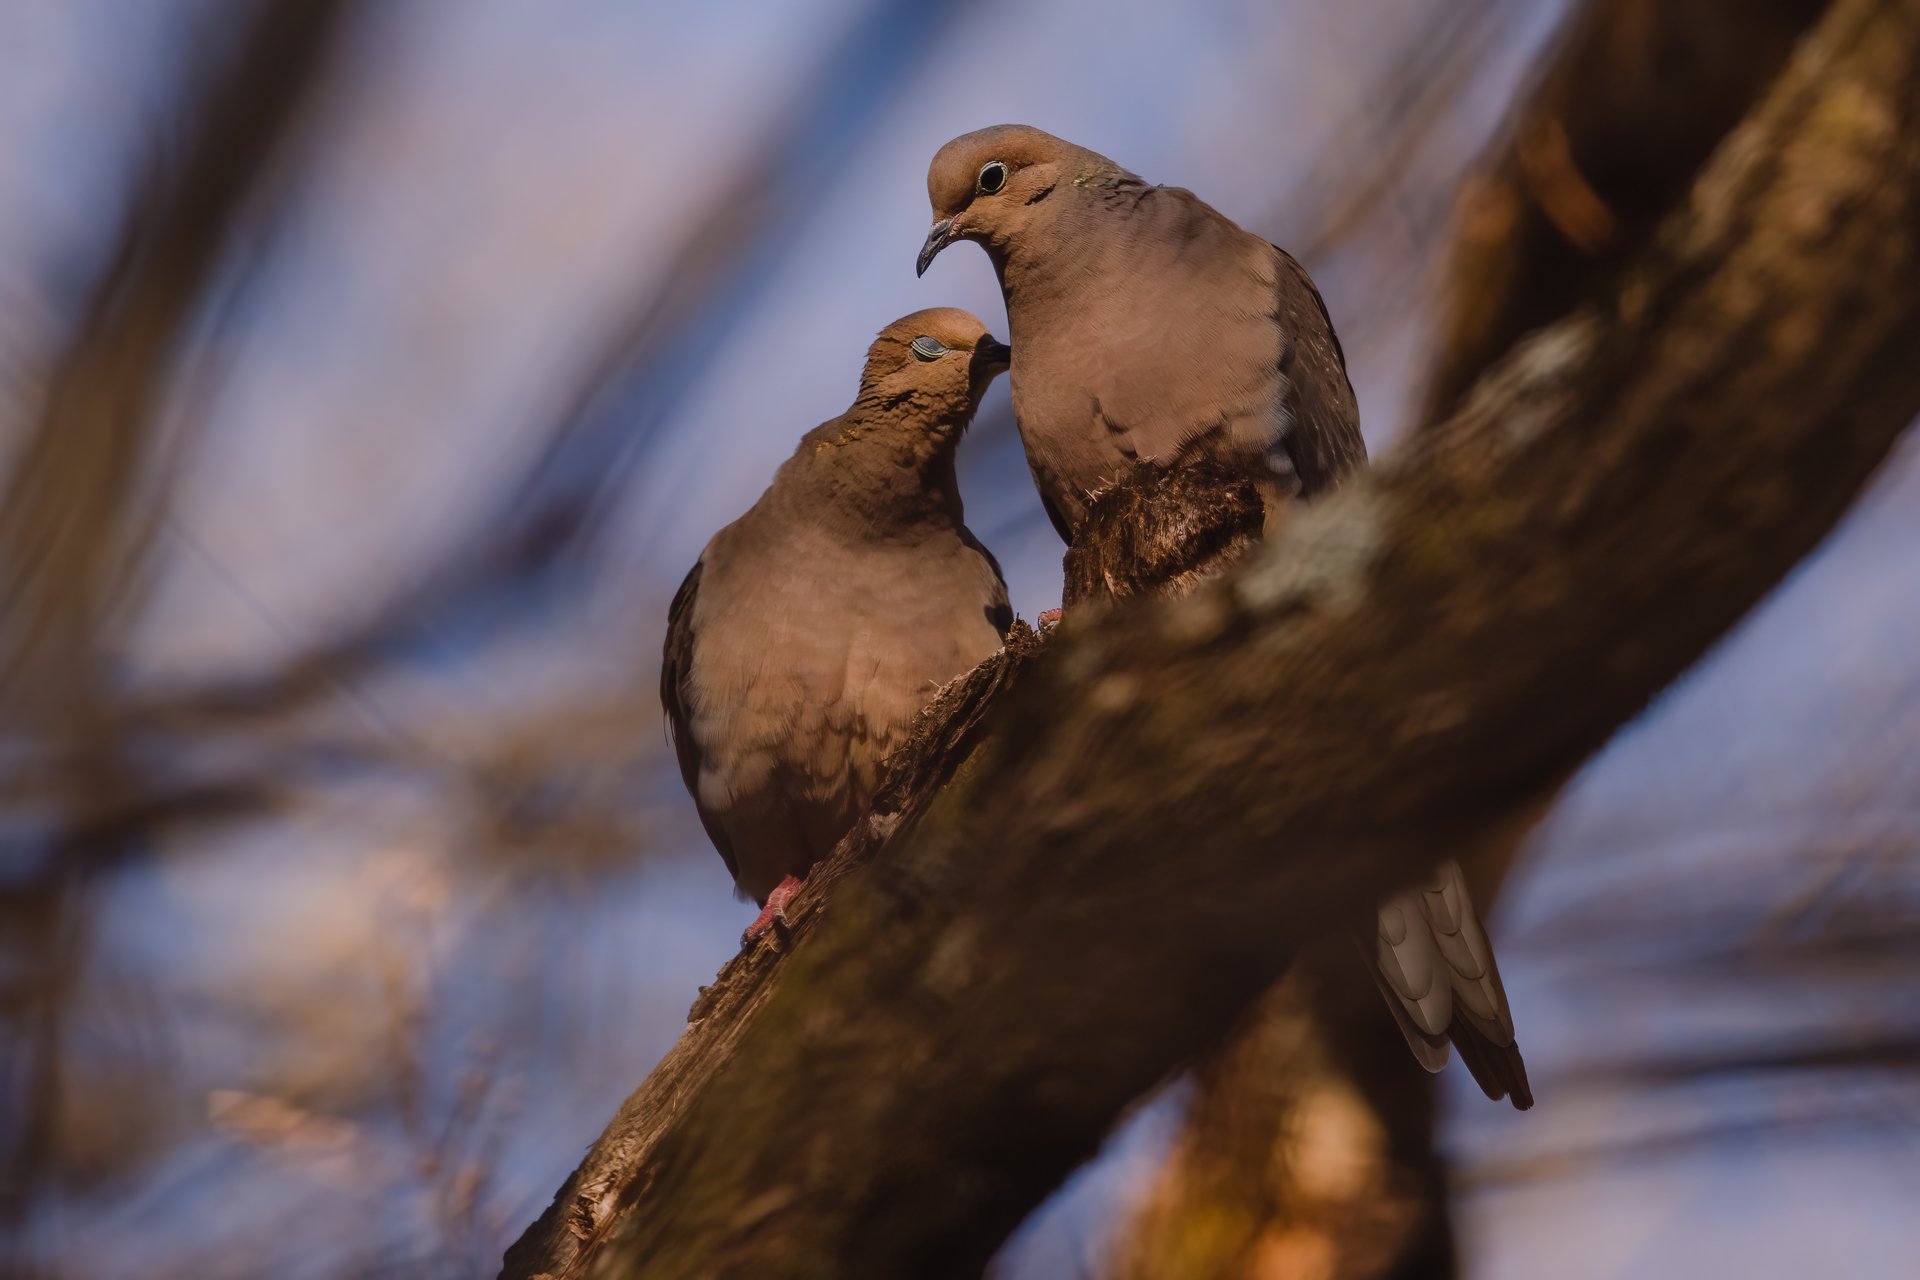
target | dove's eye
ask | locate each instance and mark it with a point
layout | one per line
(993, 176)
(928, 348)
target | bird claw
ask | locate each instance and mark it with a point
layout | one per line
(1049, 618)
(773, 917)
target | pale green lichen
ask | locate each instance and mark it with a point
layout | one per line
(1323, 558)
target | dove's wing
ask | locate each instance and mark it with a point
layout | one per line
(676, 699)
(1323, 440)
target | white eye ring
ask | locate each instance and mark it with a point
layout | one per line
(992, 177)
(928, 348)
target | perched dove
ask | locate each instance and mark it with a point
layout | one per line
(1145, 319)
(816, 626)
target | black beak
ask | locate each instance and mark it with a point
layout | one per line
(993, 353)
(939, 238)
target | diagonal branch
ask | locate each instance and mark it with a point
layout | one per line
(67, 516)
(1175, 800)
(73, 509)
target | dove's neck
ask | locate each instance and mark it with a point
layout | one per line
(1092, 232)
(879, 473)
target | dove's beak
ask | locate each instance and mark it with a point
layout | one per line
(942, 235)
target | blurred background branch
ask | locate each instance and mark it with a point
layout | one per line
(82, 503)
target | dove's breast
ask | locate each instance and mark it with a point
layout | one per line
(814, 658)
(1164, 334)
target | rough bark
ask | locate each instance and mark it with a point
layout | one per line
(1165, 533)
(1173, 801)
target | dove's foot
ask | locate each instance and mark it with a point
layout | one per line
(774, 915)
(1049, 617)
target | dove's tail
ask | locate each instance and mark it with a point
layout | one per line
(1433, 963)
(1498, 1069)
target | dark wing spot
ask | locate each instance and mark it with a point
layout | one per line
(999, 612)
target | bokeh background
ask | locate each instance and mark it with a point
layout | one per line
(347, 886)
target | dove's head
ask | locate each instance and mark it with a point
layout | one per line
(993, 184)
(890, 457)
(936, 363)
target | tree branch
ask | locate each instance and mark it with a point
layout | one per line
(76, 504)
(1175, 800)
(67, 513)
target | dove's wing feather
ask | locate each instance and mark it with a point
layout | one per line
(1322, 440)
(677, 695)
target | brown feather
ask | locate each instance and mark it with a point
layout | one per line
(815, 627)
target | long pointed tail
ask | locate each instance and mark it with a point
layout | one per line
(1435, 967)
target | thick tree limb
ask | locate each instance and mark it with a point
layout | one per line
(1174, 800)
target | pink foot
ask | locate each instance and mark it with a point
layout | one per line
(774, 915)
(1049, 617)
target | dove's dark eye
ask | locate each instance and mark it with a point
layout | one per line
(928, 348)
(993, 176)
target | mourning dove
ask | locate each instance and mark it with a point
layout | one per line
(815, 627)
(1145, 319)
